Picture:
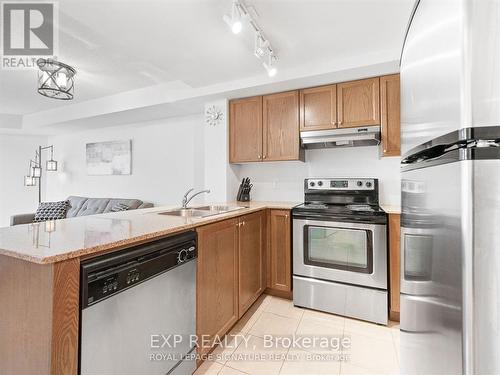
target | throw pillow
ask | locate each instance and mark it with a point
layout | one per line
(119, 207)
(51, 211)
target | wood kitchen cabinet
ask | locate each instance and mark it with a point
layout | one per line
(390, 115)
(279, 265)
(280, 120)
(318, 108)
(252, 237)
(394, 265)
(230, 273)
(358, 103)
(245, 130)
(265, 128)
(217, 279)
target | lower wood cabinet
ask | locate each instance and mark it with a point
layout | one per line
(394, 265)
(217, 279)
(279, 267)
(230, 273)
(251, 259)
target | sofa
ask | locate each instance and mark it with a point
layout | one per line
(83, 206)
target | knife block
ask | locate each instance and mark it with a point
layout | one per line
(244, 197)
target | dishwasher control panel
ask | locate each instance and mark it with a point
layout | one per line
(111, 274)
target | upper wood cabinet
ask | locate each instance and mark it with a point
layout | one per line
(390, 115)
(217, 279)
(318, 108)
(245, 130)
(252, 237)
(358, 103)
(281, 126)
(280, 263)
(265, 128)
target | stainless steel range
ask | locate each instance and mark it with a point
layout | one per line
(340, 249)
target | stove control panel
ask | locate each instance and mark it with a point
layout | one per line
(340, 184)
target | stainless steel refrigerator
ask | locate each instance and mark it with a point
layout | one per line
(450, 222)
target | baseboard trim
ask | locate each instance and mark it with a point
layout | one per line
(279, 293)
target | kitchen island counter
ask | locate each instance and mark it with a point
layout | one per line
(55, 241)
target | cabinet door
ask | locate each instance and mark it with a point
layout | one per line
(217, 279)
(245, 130)
(318, 108)
(281, 126)
(280, 270)
(394, 265)
(358, 103)
(251, 252)
(390, 115)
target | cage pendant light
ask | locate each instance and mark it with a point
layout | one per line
(55, 79)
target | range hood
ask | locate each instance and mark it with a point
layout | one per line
(347, 137)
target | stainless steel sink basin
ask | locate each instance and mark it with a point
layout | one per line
(188, 212)
(219, 208)
(202, 211)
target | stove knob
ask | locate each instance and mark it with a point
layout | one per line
(320, 183)
(359, 183)
(368, 184)
(312, 184)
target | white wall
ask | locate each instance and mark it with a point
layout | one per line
(285, 180)
(167, 159)
(15, 153)
(172, 155)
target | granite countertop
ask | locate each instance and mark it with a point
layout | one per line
(59, 240)
(391, 209)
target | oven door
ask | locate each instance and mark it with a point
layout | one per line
(352, 253)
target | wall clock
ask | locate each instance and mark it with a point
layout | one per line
(213, 115)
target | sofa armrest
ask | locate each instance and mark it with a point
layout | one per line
(22, 219)
(145, 205)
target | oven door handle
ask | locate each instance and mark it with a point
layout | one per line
(338, 224)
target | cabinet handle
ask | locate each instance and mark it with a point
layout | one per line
(286, 216)
(243, 223)
(258, 156)
(264, 156)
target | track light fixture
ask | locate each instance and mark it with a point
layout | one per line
(270, 66)
(260, 45)
(262, 48)
(234, 21)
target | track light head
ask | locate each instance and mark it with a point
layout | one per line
(261, 45)
(234, 21)
(270, 66)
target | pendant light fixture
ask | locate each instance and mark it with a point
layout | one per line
(55, 79)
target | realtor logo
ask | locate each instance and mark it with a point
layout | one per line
(28, 32)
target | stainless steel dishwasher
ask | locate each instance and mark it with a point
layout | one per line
(138, 309)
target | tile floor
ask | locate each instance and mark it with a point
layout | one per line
(374, 349)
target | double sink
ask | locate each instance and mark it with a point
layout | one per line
(199, 212)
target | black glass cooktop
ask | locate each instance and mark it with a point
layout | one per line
(341, 212)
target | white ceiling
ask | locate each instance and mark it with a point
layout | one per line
(118, 45)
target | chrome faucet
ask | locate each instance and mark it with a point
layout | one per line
(186, 200)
